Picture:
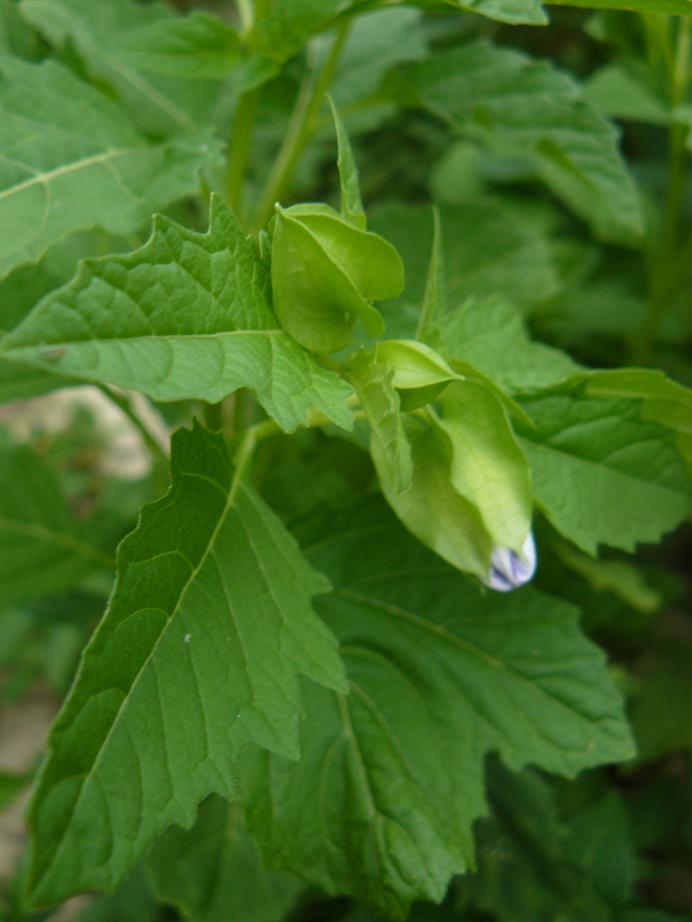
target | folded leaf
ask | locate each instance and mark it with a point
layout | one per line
(185, 316)
(325, 273)
(209, 624)
(525, 107)
(43, 550)
(72, 160)
(441, 673)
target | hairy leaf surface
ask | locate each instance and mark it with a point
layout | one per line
(185, 316)
(208, 627)
(440, 674)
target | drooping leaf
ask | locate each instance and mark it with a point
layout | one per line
(432, 509)
(325, 273)
(524, 107)
(72, 160)
(43, 549)
(185, 316)
(113, 39)
(440, 675)
(213, 873)
(207, 629)
(380, 401)
(490, 334)
(601, 473)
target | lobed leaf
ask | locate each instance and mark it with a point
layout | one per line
(440, 674)
(209, 624)
(186, 316)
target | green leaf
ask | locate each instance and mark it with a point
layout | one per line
(419, 373)
(440, 674)
(324, 274)
(43, 549)
(490, 334)
(601, 473)
(432, 509)
(435, 296)
(487, 250)
(671, 7)
(104, 36)
(488, 467)
(213, 873)
(351, 202)
(186, 316)
(282, 27)
(72, 160)
(380, 401)
(197, 47)
(209, 624)
(618, 92)
(524, 107)
(11, 785)
(528, 12)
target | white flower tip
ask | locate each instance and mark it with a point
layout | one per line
(509, 570)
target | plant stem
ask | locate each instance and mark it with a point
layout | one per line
(239, 150)
(301, 126)
(213, 416)
(663, 252)
(124, 404)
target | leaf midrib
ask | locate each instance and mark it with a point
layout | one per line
(230, 498)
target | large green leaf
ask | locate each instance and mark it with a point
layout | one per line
(441, 674)
(185, 316)
(119, 42)
(213, 873)
(43, 549)
(207, 629)
(671, 7)
(72, 160)
(601, 473)
(522, 106)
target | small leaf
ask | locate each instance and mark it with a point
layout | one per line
(186, 316)
(209, 624)
(441, 674)
(324, 274)
(213, 873)
(435, 297)
(419, 373)
(351, 202)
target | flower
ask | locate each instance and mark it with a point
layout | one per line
(509, 570)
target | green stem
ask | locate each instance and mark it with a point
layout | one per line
(124, 404)
(239, 149)
(301, 126)
(213, 416)
(663, 251)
